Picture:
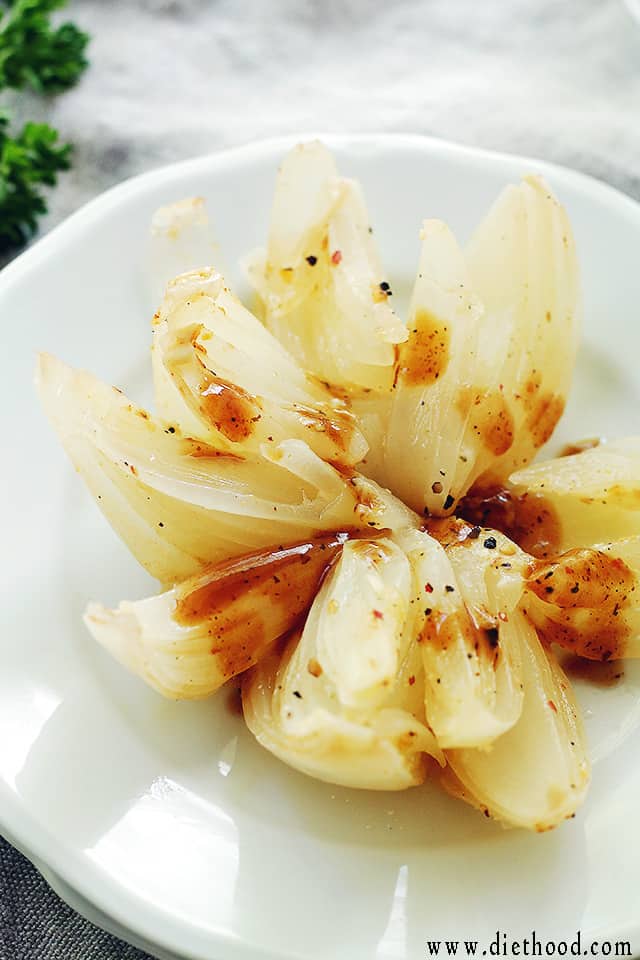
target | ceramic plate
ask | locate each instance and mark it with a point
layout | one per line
(166, 820)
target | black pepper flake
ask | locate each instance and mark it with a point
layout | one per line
(449, 502)
(492, 637)
(490, 543)
(436, 487)
(427, 612)
(297, 694)
(161, 524)
(311, 260)
(548, 589)
(384, 286)
(575, 588)
(474, 533)
(449, 588)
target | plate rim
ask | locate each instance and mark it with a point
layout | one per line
(24, 831)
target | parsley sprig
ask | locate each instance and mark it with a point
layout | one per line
(34, 54)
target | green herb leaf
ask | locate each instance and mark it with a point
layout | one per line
(27, 162)
(35, 54)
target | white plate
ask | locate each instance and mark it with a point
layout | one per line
(167, 817)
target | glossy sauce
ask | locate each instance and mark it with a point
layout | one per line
(445, 631)
(248, 602)
(338, 425)
(580, 446)
(448, 531)
(544, 416)
(529, 519)
(230, 409)
(587, 592)
(605, 673)
(425, 355)
(489, 418)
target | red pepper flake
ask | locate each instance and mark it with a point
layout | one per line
(378, 614)
(552, 705)
(336, 257)
(428, 588)
(412, 680)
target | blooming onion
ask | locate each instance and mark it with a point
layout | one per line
(341, 504)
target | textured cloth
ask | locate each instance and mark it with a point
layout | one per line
(36, 925)
(557, 79)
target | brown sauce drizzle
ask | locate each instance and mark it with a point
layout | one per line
(345, 471)
(338, 425)
(587, 592)
(603, 673)
(543, 409)
(448, 531)
(580, 446)
(424, 357)
(444, 631)
(528, 519)
(544, 416)
(203, 596)
(230, 409)
(489, 417)
(250, 601)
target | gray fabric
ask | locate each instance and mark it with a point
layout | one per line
(36, 925)
(558, 79)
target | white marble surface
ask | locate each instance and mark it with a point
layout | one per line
(559, 79)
